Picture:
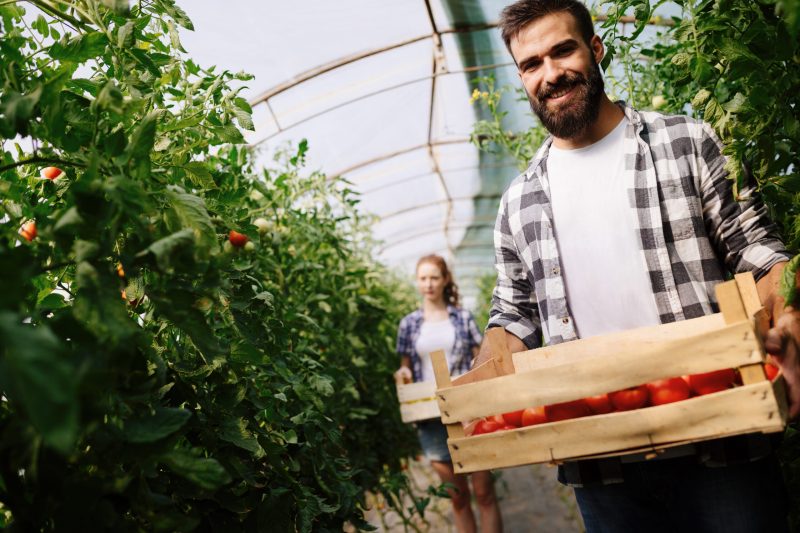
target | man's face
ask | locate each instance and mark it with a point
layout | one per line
(560, 73)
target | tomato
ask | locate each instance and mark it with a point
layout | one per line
(51, 173)
(28, 230)
(668, 390)
(771, 371)
(487, 425)
(497, 418)
(506, 427)
(600, 404)
(629, 399)
(533, 415)
(237, 239)
(514, 418)
(262, 224)
(567, 410)
(715, 381)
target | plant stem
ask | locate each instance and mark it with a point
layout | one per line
(38, 159)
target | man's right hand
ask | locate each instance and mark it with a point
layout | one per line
(485, 353)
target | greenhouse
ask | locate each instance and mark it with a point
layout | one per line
(215, 316)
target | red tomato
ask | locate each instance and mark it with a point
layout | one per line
(487, 425)
(51, 173)
(497, 418)
(600, 404)
(28, 230)
(237, 239)
(514, 418)
(629, 399)
(567, 410)
(668, 390)
(715, 381)
(506, 427)
(771, 371)
(533, 415)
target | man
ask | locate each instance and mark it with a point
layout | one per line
(627, 219)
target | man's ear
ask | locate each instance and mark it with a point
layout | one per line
(598, 50)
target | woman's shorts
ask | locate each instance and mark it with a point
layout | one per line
(433, 439)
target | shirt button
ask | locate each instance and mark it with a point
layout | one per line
(556, 271)
(565, 320)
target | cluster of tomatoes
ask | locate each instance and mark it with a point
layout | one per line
(658, 392)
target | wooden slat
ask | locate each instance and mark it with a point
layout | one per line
(442, 375)
(496, 337)
(746, 409)
(737, 305)
(609, 345)
(416, 391)
(414, 412)
(728, 347)
(486, 370)
(730, 302)
(748, 293)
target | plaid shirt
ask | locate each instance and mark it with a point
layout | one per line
(691, 230)
(460, 357)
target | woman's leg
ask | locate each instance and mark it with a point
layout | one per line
(462, 511)
(483, 487)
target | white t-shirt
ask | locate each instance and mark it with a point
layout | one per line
(608, 288)
(439, 335)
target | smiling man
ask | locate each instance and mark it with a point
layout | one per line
(627, 219)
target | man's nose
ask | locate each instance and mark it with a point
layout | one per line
(553, 71)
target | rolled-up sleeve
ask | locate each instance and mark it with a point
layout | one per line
(514, 299)
(741, 231)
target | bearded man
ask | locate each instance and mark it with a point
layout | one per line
(627, 219)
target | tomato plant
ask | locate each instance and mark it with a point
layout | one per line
(224, 391)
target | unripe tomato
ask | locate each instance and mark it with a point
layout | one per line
(28, 230)
(237, 239)
(262, 224)
(600, 404)
(533, 415)
(51, 173)
(249, 246)
(668, 390)
(629, 399)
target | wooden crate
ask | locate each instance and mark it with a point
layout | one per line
(587, 367)
(418, 401)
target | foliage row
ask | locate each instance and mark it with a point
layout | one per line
(153, 376)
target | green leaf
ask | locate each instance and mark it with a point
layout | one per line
(190, 211)
(788, 287)
(229, 134)
(120, 7)
(235, 431)
(79, 48)
(35, 374)
(125, 38)
(178, 14)
(144, 136)
(164, 249)
(164, 422)
(206, 473)
(199, 174)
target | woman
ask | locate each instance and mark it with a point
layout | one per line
(441, 324)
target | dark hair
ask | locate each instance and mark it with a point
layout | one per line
(450, 287)
(522, 12)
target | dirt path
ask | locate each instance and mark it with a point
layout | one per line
(531, 500)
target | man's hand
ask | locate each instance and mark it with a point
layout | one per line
(783, 342)
(514, 345)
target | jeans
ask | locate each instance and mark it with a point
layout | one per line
(680, 495)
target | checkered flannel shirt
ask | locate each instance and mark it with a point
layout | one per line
(691, 232)
(467, 336)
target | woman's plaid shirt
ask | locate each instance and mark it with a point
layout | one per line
(467, 336)
(691, 230)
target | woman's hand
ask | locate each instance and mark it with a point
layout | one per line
(403, 375)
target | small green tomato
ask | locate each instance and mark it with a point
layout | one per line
(262, 224)
(250, 246)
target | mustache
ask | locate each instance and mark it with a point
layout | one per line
(566, 81)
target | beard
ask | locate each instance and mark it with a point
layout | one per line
(573, 117)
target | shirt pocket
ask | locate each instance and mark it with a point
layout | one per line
(680, 209)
